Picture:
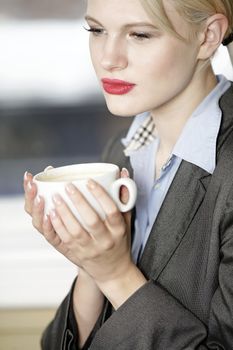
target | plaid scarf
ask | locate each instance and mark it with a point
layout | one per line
(143, 136)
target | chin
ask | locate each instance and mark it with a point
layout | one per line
(119, 113)
(122, 110)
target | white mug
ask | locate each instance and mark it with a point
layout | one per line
(53, 181)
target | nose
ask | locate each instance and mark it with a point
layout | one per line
(114, 55)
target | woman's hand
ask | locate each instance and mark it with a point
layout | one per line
(103, 248)
(34, 206)
(64, 240)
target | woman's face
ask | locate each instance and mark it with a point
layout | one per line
(140, 67)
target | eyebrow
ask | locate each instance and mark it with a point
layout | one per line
(134, 24)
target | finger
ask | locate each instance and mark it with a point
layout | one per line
(27, 177)
(125, 197)
(124, 193)
(55, 240)
(113, 215)
(66, 222)
(49, 233)
(52, 237)
(59, 227)
(91, 219)
(30, 192)
(38, 213)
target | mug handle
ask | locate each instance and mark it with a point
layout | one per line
(115, 192)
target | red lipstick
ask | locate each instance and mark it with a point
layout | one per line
(116, 87)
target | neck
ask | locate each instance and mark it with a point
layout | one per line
(171, 117)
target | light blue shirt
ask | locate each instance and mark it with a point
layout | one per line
(196, 144)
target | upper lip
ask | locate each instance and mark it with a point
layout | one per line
(115, 82)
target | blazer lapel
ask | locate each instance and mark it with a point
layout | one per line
(175, 215)
(179, 207)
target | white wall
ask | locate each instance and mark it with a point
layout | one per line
(32, 273)
(46, 61)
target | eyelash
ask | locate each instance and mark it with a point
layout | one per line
(137, 35)
(95, 31)
(141, 35)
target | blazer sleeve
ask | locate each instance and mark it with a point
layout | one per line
(152, 318)
(62, 332)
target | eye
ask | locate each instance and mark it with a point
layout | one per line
(140, 35)
(94, 30)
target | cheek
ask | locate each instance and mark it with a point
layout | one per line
(168, 65)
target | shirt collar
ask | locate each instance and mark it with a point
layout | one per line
(197, 142)
(199, 133)
(137, 122)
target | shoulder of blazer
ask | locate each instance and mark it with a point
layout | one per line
(226, 128)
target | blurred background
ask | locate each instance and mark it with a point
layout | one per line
(51, 113)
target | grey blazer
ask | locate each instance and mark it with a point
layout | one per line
(188, 261)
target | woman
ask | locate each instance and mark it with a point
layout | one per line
(174, 288)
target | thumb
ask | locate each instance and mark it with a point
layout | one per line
(124, 193)
(124, 196)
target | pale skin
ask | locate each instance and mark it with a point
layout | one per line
(134, 49)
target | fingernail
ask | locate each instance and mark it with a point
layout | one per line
(91, 184)
(125, 172)
(70, 188)
(46, 219)
(57, 199)
(25, 175)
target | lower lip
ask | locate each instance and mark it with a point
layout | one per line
(117, 89)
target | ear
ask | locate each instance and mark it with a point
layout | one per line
(212, 35)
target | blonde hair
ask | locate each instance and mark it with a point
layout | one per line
(194, 12)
